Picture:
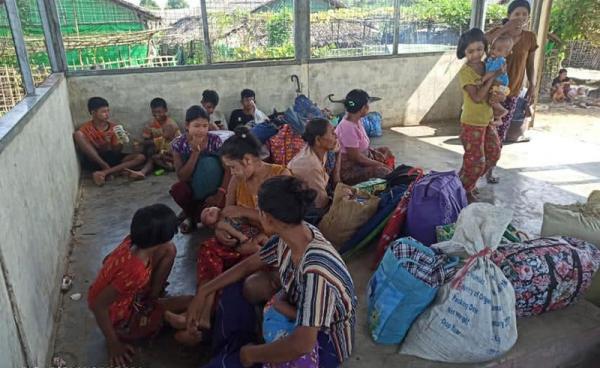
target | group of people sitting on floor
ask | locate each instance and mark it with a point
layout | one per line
(263, 252)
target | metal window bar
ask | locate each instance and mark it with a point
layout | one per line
(17, 33)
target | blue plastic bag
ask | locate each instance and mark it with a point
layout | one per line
(372, 124)
(397, 296)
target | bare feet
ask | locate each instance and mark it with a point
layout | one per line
(135, 175)
(471, 197)
(99, 178)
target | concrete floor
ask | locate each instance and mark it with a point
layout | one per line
(550, 168)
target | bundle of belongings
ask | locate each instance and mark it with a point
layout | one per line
(458, 300)
(581, 221)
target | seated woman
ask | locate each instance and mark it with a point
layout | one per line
(240, 155)
(187, 150)
(359, 161)
(309, 164)
(313, 276)
(561, 88)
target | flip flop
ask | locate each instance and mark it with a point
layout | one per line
(492, 180)
(186, 226)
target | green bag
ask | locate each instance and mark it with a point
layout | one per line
(207, 176)
(511, 235)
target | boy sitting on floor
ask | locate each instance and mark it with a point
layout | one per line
(101, 147)
(125, 296)
(158, 136)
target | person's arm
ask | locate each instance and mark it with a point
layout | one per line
(487, 76)
(508, 27)
(219, 199)
(120, 354)
(200, 302)
(355, 155)
(530, 72)
(285, 308)
(231, 197)
(480, 93)
(300, 342)
(185, 170)
(232, 231)
(337, 169)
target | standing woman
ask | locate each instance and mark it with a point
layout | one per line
(519, 63)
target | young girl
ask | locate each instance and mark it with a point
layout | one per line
(125, 296)
(495, 61)
(188, 149)
(479, 138)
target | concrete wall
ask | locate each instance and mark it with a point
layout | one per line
(414, 88)
(38, 191)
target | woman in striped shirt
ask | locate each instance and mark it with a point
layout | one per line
(312, 275)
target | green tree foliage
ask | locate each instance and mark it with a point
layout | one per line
(149, 4)
(576, 20)
(176, 4)
(279, 28)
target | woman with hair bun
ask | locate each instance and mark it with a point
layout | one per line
(317, 290)
(240, 155)
(310, 163)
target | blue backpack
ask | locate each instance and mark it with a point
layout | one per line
(403, 286)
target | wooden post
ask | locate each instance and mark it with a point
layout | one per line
(542, 19)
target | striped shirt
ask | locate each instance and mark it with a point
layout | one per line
(320, 287)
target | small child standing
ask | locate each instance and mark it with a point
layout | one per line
(479, 138)
(158, 135)
(124, 298)
(496, 61)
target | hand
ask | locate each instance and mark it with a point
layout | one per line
(198, 143)
(225, 239)
(194, 314)
(248, 247)
(530, 96)
(513, 25)
(215, 200)
(119, 354)
(496, 97)
(500, 71)
(245, 359)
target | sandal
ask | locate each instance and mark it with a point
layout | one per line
(186, 226)
(492, 179)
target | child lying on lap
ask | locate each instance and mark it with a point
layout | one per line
(244, 238)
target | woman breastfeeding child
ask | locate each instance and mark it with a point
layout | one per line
(187, 150)
(478, 134)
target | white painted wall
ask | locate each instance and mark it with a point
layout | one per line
(414, 89)
(38, 191)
